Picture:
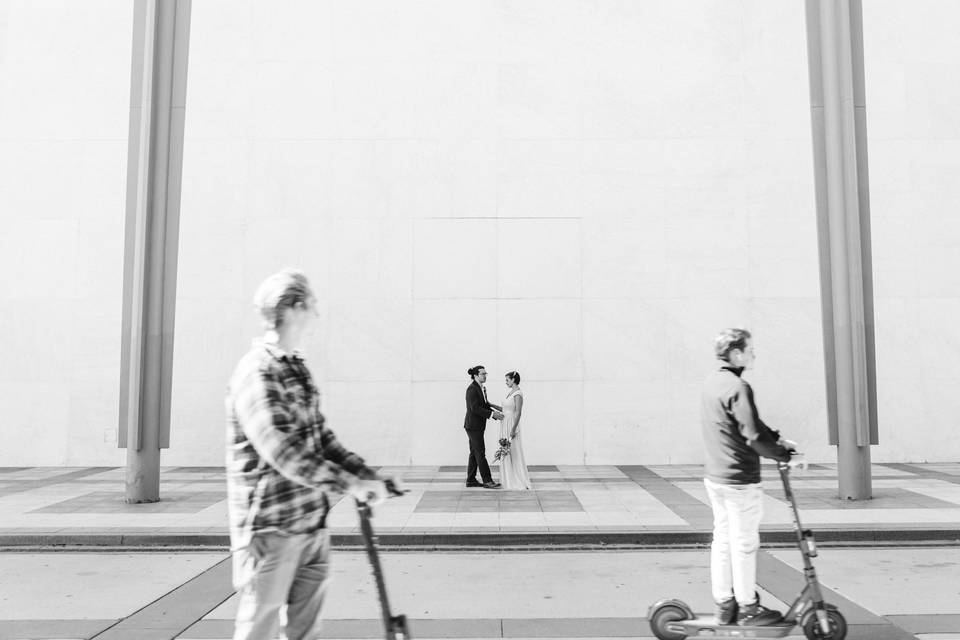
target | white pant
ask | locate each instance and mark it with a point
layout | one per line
(280, 573)
(737, 510)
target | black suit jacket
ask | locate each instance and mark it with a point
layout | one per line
(478, 409)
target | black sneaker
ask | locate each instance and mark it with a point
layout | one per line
(757, 615)
(473, 483)
(726, 611)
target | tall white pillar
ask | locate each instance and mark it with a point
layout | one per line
(838, 114)
(158, 83)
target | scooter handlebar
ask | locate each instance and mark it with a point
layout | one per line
(393, 491)
(797, 461)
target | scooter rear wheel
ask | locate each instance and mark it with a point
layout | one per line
(664, 614)
(838, 626)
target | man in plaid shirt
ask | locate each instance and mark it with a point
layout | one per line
(283, 466)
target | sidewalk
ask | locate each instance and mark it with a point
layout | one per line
(587, 506)
(906, 593)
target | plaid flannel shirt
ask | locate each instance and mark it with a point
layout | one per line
(282, 461)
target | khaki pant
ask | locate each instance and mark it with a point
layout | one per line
(277, 572)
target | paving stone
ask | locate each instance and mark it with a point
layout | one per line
(53, 505)
(52, 629)
(941, 623)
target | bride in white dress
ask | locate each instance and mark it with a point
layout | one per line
(513, 468)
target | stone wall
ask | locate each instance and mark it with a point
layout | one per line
(584, 191)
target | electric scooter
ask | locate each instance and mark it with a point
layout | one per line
(394, 626)
(672, 619)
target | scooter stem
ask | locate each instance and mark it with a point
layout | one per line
(812, 589)
(370, 542)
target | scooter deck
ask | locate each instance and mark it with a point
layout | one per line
(706, 626)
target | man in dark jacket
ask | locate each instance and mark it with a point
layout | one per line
(479, 410)
(735, 438)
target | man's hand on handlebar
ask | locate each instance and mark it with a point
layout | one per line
(371, 492)
(797, 461)
(789, 445)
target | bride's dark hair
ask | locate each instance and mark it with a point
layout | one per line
(513, 375)
(472, 371)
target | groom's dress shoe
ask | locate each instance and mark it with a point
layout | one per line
(491, 485)
(473, 483)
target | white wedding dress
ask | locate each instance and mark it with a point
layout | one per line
(513, 468)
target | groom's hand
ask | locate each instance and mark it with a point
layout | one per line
(496, 415)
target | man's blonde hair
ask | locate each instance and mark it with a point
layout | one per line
(728, 340)
(283, 290)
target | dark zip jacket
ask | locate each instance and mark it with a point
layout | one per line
(733, 434)
(478, 409)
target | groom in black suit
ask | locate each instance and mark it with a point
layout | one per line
(479, 410)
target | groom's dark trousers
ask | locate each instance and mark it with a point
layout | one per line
(475, 423)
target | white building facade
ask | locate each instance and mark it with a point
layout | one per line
(582, 191)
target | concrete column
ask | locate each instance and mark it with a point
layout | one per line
(838, 113)
(158, 83)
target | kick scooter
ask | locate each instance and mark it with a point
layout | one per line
(672, 619)
(394, 626)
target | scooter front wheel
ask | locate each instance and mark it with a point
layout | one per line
(838, 625)
(663, 614)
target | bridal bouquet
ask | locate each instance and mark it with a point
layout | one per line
(503, 451)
